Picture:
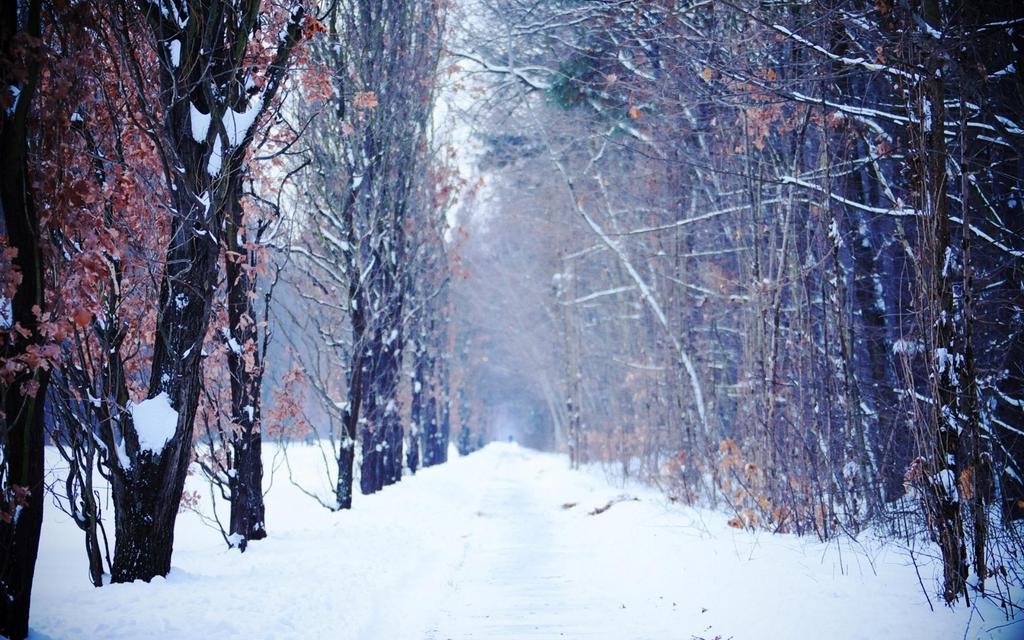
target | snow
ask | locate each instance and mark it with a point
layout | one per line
(170, 11)
(1010, 125)
(1008, 70)
(238, 123)
(6, 313)
(482, 547)
(15, 94)
(857, 62)
(909, 347)
(230, 339)
(122, 456)
(155, 422)
(944, 359)
(204, 200)
(200, 123)
(216, 156)
(833, 233)
(930, 30)
(174, 48)
(947, 481)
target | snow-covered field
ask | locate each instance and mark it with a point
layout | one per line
(483, 548)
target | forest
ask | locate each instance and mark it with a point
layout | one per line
(757, 262)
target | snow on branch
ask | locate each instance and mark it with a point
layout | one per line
(520, 73)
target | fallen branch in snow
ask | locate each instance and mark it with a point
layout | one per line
(623, 498)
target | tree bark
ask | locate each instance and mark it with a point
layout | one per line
(245, 367)
(147, 491)
(948, 379)
(417, 410)
(380, 413)
(347, 450)
(431, 435)
(23, 439)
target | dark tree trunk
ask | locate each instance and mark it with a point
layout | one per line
(147, 488)
(346, 469)
(947, 415)
(347, 450)
(371, 430)
(148, 491)
(381, 430)
(465, 441)
(22, 498)
(245, 367)
(416, 409)
(444, 415)
(394, 432)
(395, 442)
(19, 538)
(92, 551)
(146, 505)
(381, 464)
(412, 456)
(431, 435)
(247, 511)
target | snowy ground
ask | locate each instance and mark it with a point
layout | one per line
(483, 548)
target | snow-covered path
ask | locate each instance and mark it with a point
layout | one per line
(485, 547)
(516, 579)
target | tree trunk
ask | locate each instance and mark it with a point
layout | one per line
(416, 409)
(380, 413)
(146, 505)
(371, 431)
(147, 491)
(946, 415)
(443, 416)
(347, 450)
(431, 434)
(381, 430)
(23, 452)
(245, 367)
(22, 498)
